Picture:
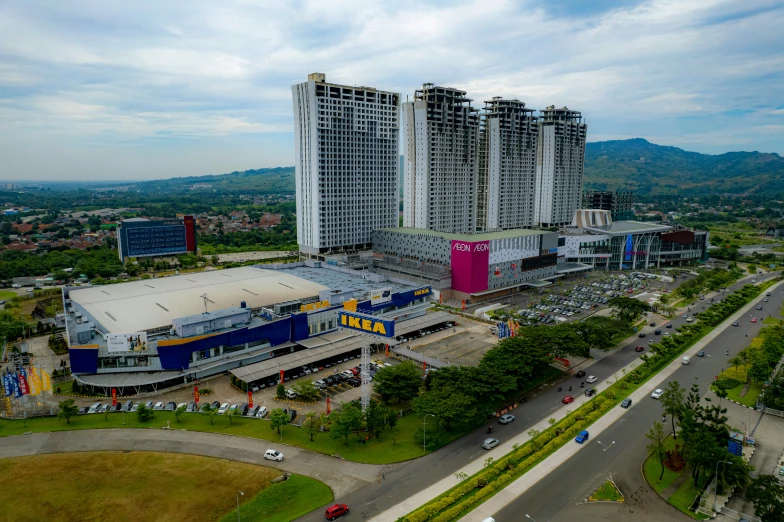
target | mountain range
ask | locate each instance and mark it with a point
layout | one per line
(635, 164)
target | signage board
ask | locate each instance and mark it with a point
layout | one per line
(382, 295)
(470, 263)
(366, 323)
(126, 342)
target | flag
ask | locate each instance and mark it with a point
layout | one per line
(46, 381)
(23, 382)
(387, 351)
(250, 398)
(196, 394)
(114, 396)
(33, 382)
(281, 377)
(15, 384)
(328, 408)
(8, 388)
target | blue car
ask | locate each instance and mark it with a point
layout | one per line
(581, 437)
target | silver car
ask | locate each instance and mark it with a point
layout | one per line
(490, 443)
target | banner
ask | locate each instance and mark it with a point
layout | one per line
(382, 295)
(366, 323)
(387, 351)
(328, 408)
(126, 342)
(250, 398)
(23, 387)
(46, 379)
(8, 388)
(281, 377)
(15, 383)
(33, 382)
(196, 394)
(114, 396)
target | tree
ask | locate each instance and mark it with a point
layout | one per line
(312, 424)
(210, 412)
(67, 410)
(767, 495)
(233, 413)
(278, 418)
(340, 428)
(672, 401)
(759, 370)
(391, 419)
(656, 447)
(280, 391)
(598, 332)
(179, 411)
(398, 383)
(628, 309)
(307, 390)
(735, 474)
(454, 408)
(144, 414)
(376, 418)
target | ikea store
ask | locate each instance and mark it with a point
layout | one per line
(156, 333)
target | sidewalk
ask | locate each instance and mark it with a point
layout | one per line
(519, 486)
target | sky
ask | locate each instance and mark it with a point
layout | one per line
(149, 89)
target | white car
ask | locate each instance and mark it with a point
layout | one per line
(320, 384)
(158, 406)
(506, 419)
(261, 413)
(182, 405)
(490, 443)
(273, 455)
(223, 408)
(291, 394)
(591, 379)
(657, 393)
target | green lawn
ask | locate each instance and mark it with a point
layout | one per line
(652, 469)
(6, 294)
(770, 320)
(389, 448)
(608, 493)
(284, 501)
(750, 399)
(148, 486)
(684, 497)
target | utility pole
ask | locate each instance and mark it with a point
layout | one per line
(424, 431)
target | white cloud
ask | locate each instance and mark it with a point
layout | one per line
(91, 71)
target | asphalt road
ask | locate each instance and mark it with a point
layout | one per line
(412, 477)
(560, 495)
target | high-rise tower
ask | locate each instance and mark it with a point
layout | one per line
(507, 171)
(560, 158)
(440, 166)
(346, 164)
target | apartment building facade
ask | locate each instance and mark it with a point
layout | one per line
(560, 160)
(440, 161)
(506, 166)
(346, 164)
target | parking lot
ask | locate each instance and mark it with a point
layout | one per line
(464, 347)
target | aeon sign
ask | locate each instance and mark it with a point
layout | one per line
(470, 264)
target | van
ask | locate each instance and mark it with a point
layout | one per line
(685, 360)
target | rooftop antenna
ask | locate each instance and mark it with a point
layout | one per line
(206, 298)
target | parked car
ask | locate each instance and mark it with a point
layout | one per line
(581, 437)
(223, 408)
(591, 379)
(626, 403)
(275, 455)
(354, 382)
(252, 411)
(170, 406)
(335, 511)
(128, 405)
(657, 393)
(243, 408)
(262, 412)
(568, 399)
(506, 419)
(490, 443)
(320, 384)
(216, 405)
(95, 408)
(158, 406)
(192, 407)
(291, 394)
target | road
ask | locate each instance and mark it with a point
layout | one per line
(560, 495)
(408, 479)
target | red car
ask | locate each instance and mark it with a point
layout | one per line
(335, 511)
(639, 349)
(568, 399)
(753, 319)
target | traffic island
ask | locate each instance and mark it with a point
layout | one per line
(607, 492)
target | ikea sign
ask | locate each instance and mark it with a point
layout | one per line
(367, 324)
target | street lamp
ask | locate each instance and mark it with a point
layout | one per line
(238, 504)
(607, 451)
(716, 481)
(424, 432)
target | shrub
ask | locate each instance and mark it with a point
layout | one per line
(727, 384)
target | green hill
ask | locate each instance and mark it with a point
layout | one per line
(647, 168)
(278, 180)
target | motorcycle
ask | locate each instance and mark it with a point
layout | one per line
(489, 429)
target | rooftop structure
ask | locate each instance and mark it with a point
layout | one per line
(618, 202)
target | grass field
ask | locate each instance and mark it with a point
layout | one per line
(147, 486)
(389, 448)
(6, 294)
(284, 501)
(608, 493)
(652, 469)
(683, 498)
(750, 399)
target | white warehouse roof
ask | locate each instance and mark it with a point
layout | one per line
(153, 303)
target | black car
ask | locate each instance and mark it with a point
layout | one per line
(669, 325)
(329, 381)
(701, 353)
(243, 408)
(215, 405)
(590, 392)
(642, 334)
(353, 381)
(292, 414)
(657, 332)
(580, 374)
